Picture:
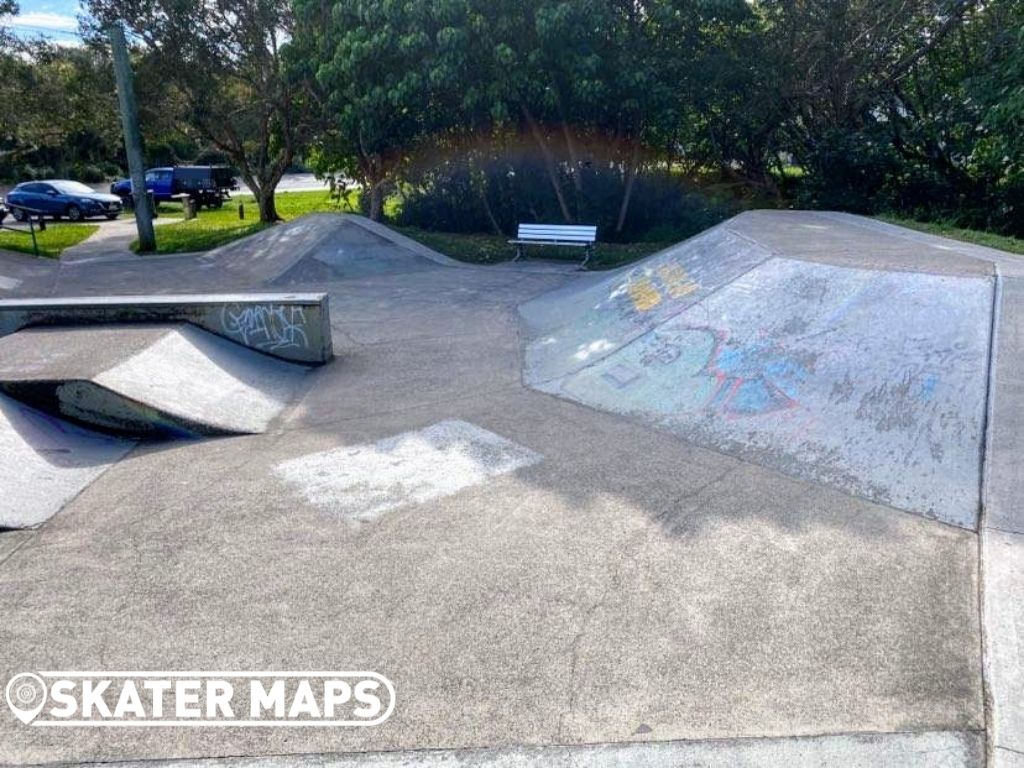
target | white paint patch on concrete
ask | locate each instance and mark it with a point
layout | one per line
(362, 482)
(197, 376)
(46, 463)
(9, 283)
(936, 749)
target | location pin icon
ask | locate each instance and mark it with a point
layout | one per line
(26, 696)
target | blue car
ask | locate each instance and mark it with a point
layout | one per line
(61, 199)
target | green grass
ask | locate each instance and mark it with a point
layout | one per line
(213, 228)
(55, 239)
(491, 249)
(975, 236)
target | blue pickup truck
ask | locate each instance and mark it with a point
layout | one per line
(208, 185)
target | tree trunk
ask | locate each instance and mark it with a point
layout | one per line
(549, 163)
(268, 207)
(574, 158)
(627, 194)
(482, 190)
(376, 200)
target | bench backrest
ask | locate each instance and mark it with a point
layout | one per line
(566, 233)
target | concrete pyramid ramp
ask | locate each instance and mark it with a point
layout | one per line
(146, 379)
(871, 381)
(354, 247)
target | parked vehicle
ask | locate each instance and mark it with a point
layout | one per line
(208, 185)
(60, 198)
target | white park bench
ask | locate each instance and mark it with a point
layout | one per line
(570, 235)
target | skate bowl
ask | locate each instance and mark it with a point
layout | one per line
(869, 380)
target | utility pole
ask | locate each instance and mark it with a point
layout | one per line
(132, 138)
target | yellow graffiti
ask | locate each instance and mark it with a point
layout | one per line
(644, 295)
(676, 280)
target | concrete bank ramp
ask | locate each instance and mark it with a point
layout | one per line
(585, 321)
(147, 380)
(867, 380)
(46, 462)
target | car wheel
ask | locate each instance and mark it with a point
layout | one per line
(74, 213)
(111, 216)
(20, 215)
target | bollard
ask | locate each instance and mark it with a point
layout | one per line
(241, 211)
(190, 208)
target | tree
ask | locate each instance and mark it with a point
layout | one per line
(60, 112)
(225, 58)
(379, 79)
(7, 8)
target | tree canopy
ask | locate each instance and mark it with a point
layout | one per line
(625, 113)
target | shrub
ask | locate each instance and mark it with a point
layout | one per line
(90, 174)
(464, 195)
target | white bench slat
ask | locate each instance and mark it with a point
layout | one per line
(556, 240)
(555, 232)
(560, 227)
(557, 236)
(582, 230)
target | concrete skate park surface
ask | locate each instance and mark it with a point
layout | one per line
(750, 502)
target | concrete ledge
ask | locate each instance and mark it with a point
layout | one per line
(1002, 532)
(934, 749)
(291, 326)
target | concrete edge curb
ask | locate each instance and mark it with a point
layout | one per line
(1001, 581)
(927, 749)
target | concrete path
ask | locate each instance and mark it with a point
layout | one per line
(111, 242)
(547, 580)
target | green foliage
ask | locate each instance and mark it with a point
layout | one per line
(589, 83)
(60, 111)
(484, 112)
(462, 195)
(946, 229)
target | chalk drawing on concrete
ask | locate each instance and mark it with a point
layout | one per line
(270, 327)
(870, 381)
(574, 328)
(362, 482)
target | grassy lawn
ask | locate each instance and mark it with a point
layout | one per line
(491, 249)
(213, 228)
(975, 236)
(55, 239)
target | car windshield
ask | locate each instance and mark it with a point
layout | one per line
(72, 188)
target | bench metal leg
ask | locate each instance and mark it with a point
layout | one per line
(519, 253)
(587, 253)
